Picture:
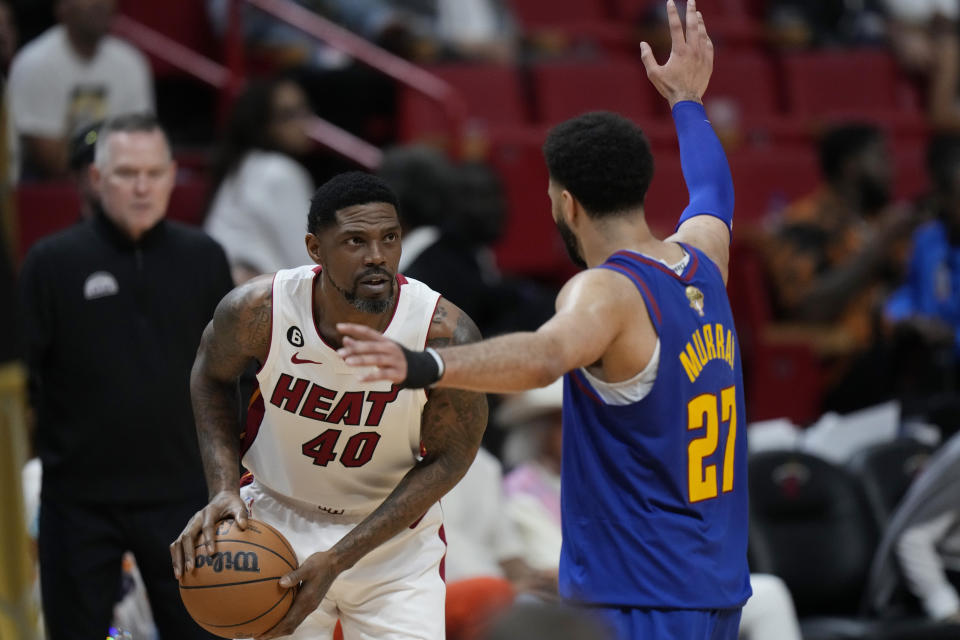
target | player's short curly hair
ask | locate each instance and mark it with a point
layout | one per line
(601, 158)
(346, 190)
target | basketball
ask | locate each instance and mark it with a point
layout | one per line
(234, 591)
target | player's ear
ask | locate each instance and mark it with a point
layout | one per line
(569, 208)
(313, 247)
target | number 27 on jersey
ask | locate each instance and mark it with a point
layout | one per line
(705, 413)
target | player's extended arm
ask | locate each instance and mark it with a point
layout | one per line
(239, 332)
(708, 218)
(590, 314)
(451, 428)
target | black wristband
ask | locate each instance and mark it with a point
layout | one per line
(423, 369)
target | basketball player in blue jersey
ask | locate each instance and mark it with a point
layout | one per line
(654, 500)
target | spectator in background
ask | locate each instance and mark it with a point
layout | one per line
(419, 29)
(804, 23)
(428, 30)
(71, 75)
(83, 143)
(925, 40)
(833, 256)
(451, 216)
(485, 564)
(112, 312)
(923, 541)
(532, 488)
(260, 188)
(926, 308)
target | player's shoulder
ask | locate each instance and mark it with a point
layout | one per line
(599, 285)
(252, 298)
(451, 325)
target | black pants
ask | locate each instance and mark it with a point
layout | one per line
(81, 548)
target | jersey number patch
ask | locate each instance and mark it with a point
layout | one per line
(356, 453)
(706, 411)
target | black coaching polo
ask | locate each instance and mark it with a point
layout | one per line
(111, 328)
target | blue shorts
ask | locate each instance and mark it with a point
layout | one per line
(670, 624)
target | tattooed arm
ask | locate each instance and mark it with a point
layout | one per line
(451, 428)
(238, 333)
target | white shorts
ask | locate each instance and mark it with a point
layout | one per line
(395, 592)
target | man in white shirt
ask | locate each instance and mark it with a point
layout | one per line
(69, 76)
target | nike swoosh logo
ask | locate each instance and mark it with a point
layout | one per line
(295, 360)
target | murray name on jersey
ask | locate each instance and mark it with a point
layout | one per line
(709, 342)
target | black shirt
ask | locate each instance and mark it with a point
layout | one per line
(111, 328)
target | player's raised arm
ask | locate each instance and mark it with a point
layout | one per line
(591, 313)
(707, 220)
(239, 332)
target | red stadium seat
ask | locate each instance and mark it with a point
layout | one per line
(492, 94)
(766, 181)
(43, 209)
(746, 82)
(667, 195)
(783, 378)
(188, 202)
(530, 244)
(535, 14)
(566, 89)
(185, 21)
(825, 84)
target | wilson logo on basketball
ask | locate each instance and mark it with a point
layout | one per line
(235, 561)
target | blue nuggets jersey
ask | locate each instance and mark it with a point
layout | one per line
(654, 492)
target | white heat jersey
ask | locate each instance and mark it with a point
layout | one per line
(315, 433)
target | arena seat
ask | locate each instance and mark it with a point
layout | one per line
(815, 519)
(887, 470)
(43, 208)
(535, 14)
(747, 81)
(492, 92)
(566, 89)
(188, 202)
(829, 82)
(185, 21)
(813, 523)
(767, 180)
(530, 244)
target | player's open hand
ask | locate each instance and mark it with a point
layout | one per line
(223, 506)
(364, 347)
(313, 578)
(686, 74)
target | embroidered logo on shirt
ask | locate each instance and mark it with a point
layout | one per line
(296, 360)
(695, 296)
(100, 284)
(295, 336)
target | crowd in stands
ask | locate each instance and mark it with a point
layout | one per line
(850, 269)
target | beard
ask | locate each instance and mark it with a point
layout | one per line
(374, 306)
(571, 244)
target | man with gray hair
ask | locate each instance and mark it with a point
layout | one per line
(112, 311)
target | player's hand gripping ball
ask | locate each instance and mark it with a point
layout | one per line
(233, 591)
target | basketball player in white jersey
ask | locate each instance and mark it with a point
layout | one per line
(350, 472)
